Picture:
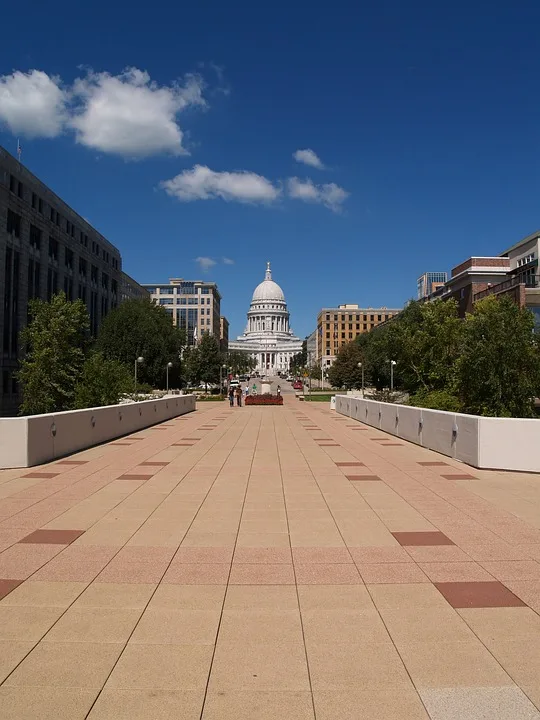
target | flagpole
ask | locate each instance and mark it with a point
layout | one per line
(19, 150)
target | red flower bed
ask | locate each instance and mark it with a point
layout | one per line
(264, 400)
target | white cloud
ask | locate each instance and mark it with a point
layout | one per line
(205, 263)
(308, 157)
(201, 183)
(330, 195)
(33, 104)
(227, 261)
(130, 115)
(127, 114)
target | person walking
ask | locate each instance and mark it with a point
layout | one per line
(231, 396)
(239, 396)
(279, 389)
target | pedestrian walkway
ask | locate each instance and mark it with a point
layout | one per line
(268, 563)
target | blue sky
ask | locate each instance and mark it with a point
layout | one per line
(425, 118)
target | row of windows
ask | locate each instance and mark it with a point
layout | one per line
(359, 318)
(181, 301)
(17, 188)
(170, 290)
(525, 260)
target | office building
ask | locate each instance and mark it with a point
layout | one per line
(45, 247)
(223, 334)
(131, 290)
(194, 306)
(268, 337)
(338, 326)
(429, 283)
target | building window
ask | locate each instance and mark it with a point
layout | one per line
(166, 301)
(379, 318)
(350, 336)
(105, 281)
(40, 206)
(365, 327)
(166, 290)
(20, 190)
(68, 287)
(34, 200)
(34, 271)
(35, 237)
(68, 258)
(94, 276)
(52, 283)
(13, 224)
(83, 267)
(53, 248)
(12, 183)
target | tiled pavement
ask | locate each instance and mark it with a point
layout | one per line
(268, 563)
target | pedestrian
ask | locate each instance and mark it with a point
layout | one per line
(239, 396)
(279, 389)
(246, 391)
(231, 395)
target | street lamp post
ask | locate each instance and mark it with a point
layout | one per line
(322, 374)
(392, 363)
(138, 360)
(169, 365)
(361, 365)
(221, 369)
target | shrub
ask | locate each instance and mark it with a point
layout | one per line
(264, 400)
(436, 400)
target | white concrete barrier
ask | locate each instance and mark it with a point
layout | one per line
(491, 443)
(35, 439)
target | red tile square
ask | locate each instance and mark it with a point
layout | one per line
(362, 478)
(391, 573)
(321, 555)
(434, 464)
(41, 475)
(327, 574)
(422, 538)
(153, 464)
(52, 537)
(478, 595)
(6, 586)
(261, 574)
(134, 476)
(197, 574)
(459, 476)
(261, 555)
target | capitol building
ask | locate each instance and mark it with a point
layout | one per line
(267, 336)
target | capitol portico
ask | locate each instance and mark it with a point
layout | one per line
(268, 337)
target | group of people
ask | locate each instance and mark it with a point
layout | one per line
(237, 392)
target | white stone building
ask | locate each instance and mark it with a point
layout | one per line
(268, 337)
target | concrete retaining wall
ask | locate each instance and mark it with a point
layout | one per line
(491, 443)
(35, 439)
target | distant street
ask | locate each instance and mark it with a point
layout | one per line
(285, 386)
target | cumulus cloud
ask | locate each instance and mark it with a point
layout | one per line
(308, 157)
(33, 104)
(330, 195)
(205, 263)
(228, 261)
(127, 114)
(202, 183)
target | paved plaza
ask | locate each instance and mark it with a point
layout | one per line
(268, 563)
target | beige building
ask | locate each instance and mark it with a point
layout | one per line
(338, 326)
(223, 334)
(194, 305)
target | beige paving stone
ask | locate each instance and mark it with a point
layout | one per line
(496, 624)
(66, 665)
(162, 667)
(45, 703)
(45, 594)
(259, 666)
(163, 626)
(148, 704)
(11, 654)
(260, 626)
(99, 625)
(114, 595)
(248, 705)
(346, 703)
(261, 598)
(503, 703)
(26, 622)
(431, 624)
(349, 598)
(342, 626)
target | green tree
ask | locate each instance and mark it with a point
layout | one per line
(210, 359)
(191, 365)
(498, 370)
(345, 372)
(140, 328)
(55, 340)
(103, 381)
(240, 362)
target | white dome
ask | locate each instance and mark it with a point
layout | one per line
(268, 290)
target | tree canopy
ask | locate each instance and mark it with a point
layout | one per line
(140, 328)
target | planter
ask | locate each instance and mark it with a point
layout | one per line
(264, 400)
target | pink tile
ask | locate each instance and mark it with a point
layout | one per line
(321, 555)
(136, 553)
(132, 572)
(89, 553)
(494, 551)
(59, 570)
(455, 572)
(197, 574)
(329, 574)
(6, 586)
(270, 555)
(203, 555)
(438, 553)
(390, 573)
(520, 570)
(261, 574)
(377, 555)
(20, 561)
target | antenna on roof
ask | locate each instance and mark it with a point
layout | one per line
(19, 150)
